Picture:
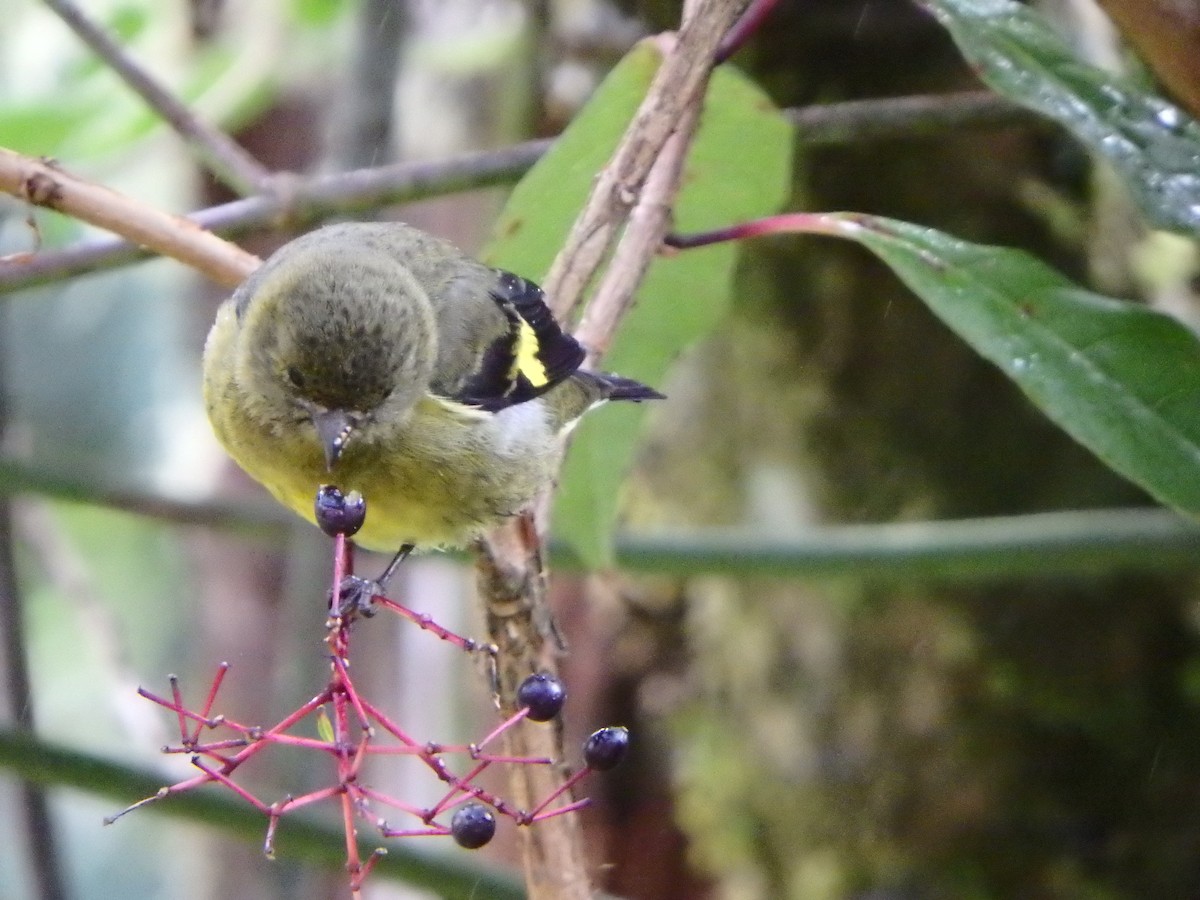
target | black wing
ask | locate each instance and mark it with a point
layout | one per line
(532, 356)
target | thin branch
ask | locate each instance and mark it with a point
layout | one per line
(311, 200)
(36, 825)
(744, 28)
(648, 225)
(44, 184)
(961, 550)
(303, 837)
(676, 86)
(367, 120)
(265, 517)
(641, 178)
(223, 156)
(303, 203)
(914, 117)
(1056, 543)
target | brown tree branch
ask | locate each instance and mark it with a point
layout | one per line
(641, 179)
(305, 202)
(675, 87)
(310, 200)
(744, 28)
(220, 153)
(43, 183)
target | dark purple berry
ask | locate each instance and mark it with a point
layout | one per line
(473, 825)
(605, 748)
(339, 513)
(543, 695)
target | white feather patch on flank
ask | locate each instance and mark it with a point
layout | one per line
(519, 425)
(461, 410)
(565, 431)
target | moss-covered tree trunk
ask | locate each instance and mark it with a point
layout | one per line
(1030, 738)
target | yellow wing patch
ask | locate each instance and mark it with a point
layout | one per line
(528, 359)
(527, 362)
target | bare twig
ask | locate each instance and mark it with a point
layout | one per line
(918, 116)
(44, 184)
(648, 225)
(37, 826)
(744, 28)
(642, 177)
(223, 156)
(674, 88)
(246, 514)
(306, 202)
(367, 115)
(309, 200)
(1093, 540)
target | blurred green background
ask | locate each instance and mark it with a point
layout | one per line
(829, 698)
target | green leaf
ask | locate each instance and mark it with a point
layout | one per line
(40, 129)
(1153, 145)
(325, 726)
(543, 205)
(319, 13)
(739, 167)
(1121, 379)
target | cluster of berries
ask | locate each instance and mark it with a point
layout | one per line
(540, 698)
(339, 708)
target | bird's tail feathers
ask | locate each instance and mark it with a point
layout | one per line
(617, 388)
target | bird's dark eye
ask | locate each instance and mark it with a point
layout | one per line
(295, 376)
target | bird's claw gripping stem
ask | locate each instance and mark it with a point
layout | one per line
(356, 597)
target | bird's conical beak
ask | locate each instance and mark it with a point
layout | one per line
(333, 429)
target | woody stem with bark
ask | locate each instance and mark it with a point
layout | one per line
(637, 187)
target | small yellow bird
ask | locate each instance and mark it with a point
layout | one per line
(383, 359)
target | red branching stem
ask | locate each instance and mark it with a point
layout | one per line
(401, 750)
(425, 622)
(393, 802)
(558, 792)
(293, 740)
(223, 778)
(431, 831)
(785, 223)
(415, 832)
(377, 854)
(360, 753)
(499, 730)
(206, 710)
(515, 760)
(179, 787)
(458, 786)
(353, 861)
(210, 748)
(291, 719)
(346, 709)
(342, 680)
(562, 810)
(182, 713)
(177, 696)
(290, 803)
(389, 726)
(743, 29)
(341, 568)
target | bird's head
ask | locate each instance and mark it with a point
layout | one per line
(337, 335)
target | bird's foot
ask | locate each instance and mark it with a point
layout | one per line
(356, 597)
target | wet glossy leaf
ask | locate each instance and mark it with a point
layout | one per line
(1121, 379)
(738, 168)
(1153, 145)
